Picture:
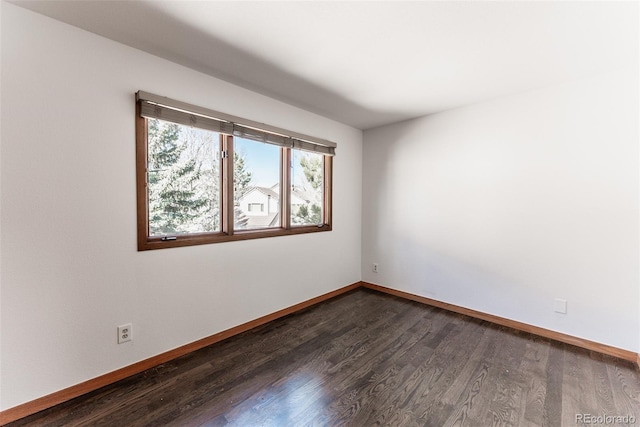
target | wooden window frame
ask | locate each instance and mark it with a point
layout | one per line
(227, 233)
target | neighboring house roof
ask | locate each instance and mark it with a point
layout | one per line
(269, 192)
(263, 190)
(300, 195)
(263, 221)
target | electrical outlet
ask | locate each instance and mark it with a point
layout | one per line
(125, 333)
(375, 267)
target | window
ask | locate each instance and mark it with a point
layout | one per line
(307, 188)
(256, 207)
(257, 184)
(183, 179)
(207, 177)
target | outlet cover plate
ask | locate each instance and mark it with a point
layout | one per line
(125, 333)
(560, 306)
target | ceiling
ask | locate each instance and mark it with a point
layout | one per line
(367, 64)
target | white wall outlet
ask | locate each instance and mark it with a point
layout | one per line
(375, 267)
(560, 306)
(125, 333)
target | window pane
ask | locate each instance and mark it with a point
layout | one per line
(307, 187)
(256, 184)
(184, 179)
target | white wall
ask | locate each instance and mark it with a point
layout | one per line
(70, 272)
(506, 205)
(1, 8)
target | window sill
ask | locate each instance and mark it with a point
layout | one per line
(151, 243)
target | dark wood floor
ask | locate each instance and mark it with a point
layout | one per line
(367, 359)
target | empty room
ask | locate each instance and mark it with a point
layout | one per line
(331, 213)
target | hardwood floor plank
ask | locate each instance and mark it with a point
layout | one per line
(460, 416)
(441, 373)
(579, 386)
(452, 332)
(509, 398)
(625, 385)
(532, 369)
(365, 359)
(603, 388)
(394, 404)
(552, 410)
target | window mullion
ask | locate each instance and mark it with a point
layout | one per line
(142, 180)
(227, 184)
(285, 191)
(327, 190)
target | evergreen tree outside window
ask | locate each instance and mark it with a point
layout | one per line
(307, 177)
(184, 179)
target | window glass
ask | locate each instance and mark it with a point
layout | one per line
(256, 184)
(307, 180)
(183, 179)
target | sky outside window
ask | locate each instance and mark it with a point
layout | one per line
(257, 185)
